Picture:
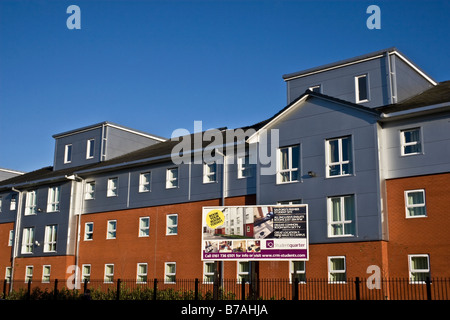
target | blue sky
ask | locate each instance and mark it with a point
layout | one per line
(161, 65)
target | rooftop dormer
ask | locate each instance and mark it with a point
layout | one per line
(98, 142)
(372, 80)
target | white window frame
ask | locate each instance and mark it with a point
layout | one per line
(141, 277)
(13, 202)
(357, 99)
(113, 187)
(86, 272)
(244, 168)
(144, 230)
(108, 276)
(409, 206)
(242, 274)
(405, 144)
(111, 229)
(299, 272)
(90, 148)
(50, 238)
(290, 165)
(340, 161)
(68, 149)
(342, 221)
(169, 225)
(45, 273)
(210, 172)
(8, 274)
(27, 240)
(89, 193)
(29, 273)
(170, 277)
(31, 203)
(11, 238)
(53, 199)
(412, 270)
(208, 276)
(145, 179)
(171, 181)
(337, 271)
(88, 231)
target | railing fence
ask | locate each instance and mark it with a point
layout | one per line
(230, 289)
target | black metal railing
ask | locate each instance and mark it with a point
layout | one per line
(230, 289)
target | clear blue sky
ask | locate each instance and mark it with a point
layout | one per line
(160, 65)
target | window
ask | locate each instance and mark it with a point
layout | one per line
(244, 167)
(209, 269)
(111, 231)
(86, 272)
(172, 224)
(46, 273)
(0, 204)
(50, 238)
(88, 231)
(336, 269)
(27, 240)
(68, 153)
(11, 238)
(8, 274)
(288, 163)
(90, 190)
(415, 203)
(144, 182)
(53, 199)
(112, 187)
(362, 88)
(109, 273)
(141, 273)
(316, 88)
(144, 226)
(297, 271)
(339, 157)
(12, 205)
(243, 271)
(419, 268)
(90, 149)
(28, 273)
(172, 178)
(30, 204)
(170, 272)
(209, 172)
(341, 216)
(411, 142)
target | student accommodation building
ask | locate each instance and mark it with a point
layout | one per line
(364, 142)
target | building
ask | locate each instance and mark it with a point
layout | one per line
(365, 142)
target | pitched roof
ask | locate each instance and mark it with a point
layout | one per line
(433, 96)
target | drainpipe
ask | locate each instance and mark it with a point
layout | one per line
(16, 233)
(224, 176)
(74, 197)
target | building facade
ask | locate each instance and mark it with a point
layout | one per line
(365, 142)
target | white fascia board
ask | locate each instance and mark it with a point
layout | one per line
(255, 137)
(411, 65)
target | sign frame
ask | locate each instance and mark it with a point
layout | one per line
(255, 233)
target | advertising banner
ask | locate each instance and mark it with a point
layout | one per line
(263, 233)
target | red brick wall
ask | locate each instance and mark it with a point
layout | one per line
(428, 235)
(59, 265)
(5, 250)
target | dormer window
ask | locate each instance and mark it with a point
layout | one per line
(68, 153)
(362, 88)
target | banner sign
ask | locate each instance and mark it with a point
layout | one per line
(262, 233)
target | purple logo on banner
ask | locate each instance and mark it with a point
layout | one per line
(270, 244)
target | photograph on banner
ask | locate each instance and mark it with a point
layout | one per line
(266, 232)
